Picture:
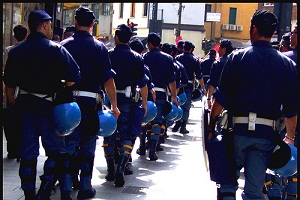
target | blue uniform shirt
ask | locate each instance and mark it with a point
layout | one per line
(262, 80)
(216, 70)
(82, 45)
(129, 67)
(161, 67)
(181, 79)
(206, 66)
(38, 65)
(191, 65)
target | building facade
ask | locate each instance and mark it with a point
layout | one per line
(234, 22)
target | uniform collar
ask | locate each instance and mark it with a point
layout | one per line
(155, 49)
(122, 46)
(36, 34)
(82, 33)
(262, 43)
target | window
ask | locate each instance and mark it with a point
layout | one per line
(132, 14)
(232, 16)
(268, 4)
(121, 10)
(207, 9)
(95, 9)
(106, 9)
(145, 13)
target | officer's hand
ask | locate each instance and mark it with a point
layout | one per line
(209, 104)
(175, 101)
(286, 140)
(153, 94)
(204, 92)
(116, 112)
(145, 107)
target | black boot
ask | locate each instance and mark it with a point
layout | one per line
(177, 126)
(46, 187)
(228, 195)
(65, 195)
(152, 151)
(29, 194)
(119, 175)
(142, 148)
(127, 169)
(183, 129)
(110, 169)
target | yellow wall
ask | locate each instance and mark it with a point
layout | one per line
(243, 17)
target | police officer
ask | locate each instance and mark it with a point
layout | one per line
(193, 70)
(69, 31)
(224, 50)
(180, 47)
(93, 60)
(136, 45)
(181, 76)
(251, 88)
(285, 43)
(13, 144)
(290, 186)
(37, 66)
(126, 61)
(163, 75)
(206, 65)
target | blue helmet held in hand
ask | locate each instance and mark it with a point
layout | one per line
(169, 111)
(182, 99)
(151, 112)
(284, 160)
(197, 95)
(179, 114)
(67, 117)
(107, 123)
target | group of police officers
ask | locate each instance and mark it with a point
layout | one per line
(79, 69)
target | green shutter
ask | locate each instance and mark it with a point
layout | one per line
(232, 16)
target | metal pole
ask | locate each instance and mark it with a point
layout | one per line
(179, 19)
(211, 30)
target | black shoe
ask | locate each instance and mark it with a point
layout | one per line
(86, 194)
(65, 195)
(127, 170)
(119, 180)
(153, 156)
(159, 148)
(12, 156)
(177, 126)
(110, 176)
(29, 194)
(141, 151)
(184, 131)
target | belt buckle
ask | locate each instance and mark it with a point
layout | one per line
(251, 121)
(75, 93)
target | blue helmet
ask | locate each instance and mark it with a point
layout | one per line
(169, 111)
(179, 114)
(182, 99)
(284, 160)
(67, 117)
(107, 123)
(196, 95)
(151, 112)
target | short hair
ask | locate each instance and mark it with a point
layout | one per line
(84, 16)
(154, 39)
(55, 37)
(226, 43)
(20, 32)
(167, 48)
(265, 22)
(136, 45)
(180, 44)
(124, 37)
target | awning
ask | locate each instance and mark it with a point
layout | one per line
(69, 6)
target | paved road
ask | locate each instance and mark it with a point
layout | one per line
(179, 173)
